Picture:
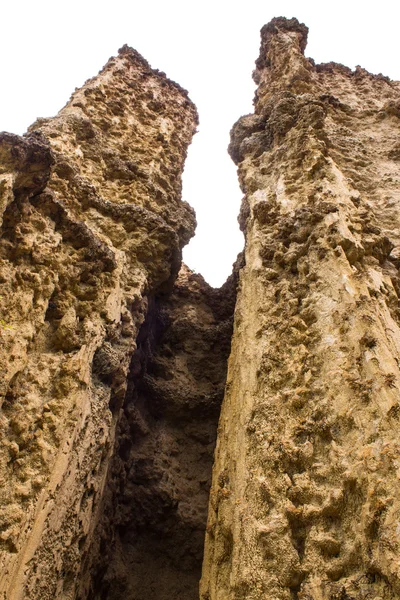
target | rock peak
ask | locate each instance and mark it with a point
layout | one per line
(281, 58)
(291, 503)
(288, 36)
(279, 24)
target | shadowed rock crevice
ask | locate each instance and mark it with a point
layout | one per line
(149, 542)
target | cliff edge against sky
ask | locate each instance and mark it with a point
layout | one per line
(92, 227)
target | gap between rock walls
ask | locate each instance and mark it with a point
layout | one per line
(113, 353)
(156, 431)
(149, 541)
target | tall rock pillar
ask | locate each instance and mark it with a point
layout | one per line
(92, 225)
(305, 499)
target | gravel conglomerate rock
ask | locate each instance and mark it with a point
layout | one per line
(113, 360)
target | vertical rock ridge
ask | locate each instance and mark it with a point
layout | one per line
(304, 502)
(92, 226)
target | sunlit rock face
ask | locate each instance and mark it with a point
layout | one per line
(92, 226)
(305, 499)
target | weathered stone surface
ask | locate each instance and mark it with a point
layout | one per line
(92, 225)
(112, 375)
(149, 542)
(305, 495)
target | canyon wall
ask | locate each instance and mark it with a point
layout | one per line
(305, 496)
(92, 226)
(113, 356)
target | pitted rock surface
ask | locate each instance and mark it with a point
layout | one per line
(92, 225)
(113, 357)
(305, 498)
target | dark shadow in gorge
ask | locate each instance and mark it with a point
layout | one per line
(149, 542)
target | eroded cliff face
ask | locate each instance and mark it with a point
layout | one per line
(113, 360)
(92, 226)
(305, 495)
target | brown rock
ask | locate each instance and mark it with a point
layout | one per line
(149, 541)
(92, 226)
(113, 357)
(304, 501)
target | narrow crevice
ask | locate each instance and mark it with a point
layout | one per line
(149, 542)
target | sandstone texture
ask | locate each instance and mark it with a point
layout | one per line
(305, 497)
(92, 226)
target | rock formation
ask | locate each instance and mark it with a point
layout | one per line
(92, 229)
(114, 357)
(305, 499)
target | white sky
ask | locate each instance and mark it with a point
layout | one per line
(47, 48)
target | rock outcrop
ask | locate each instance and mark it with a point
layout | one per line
(113, 356)
(92, 226)
(305, 497)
